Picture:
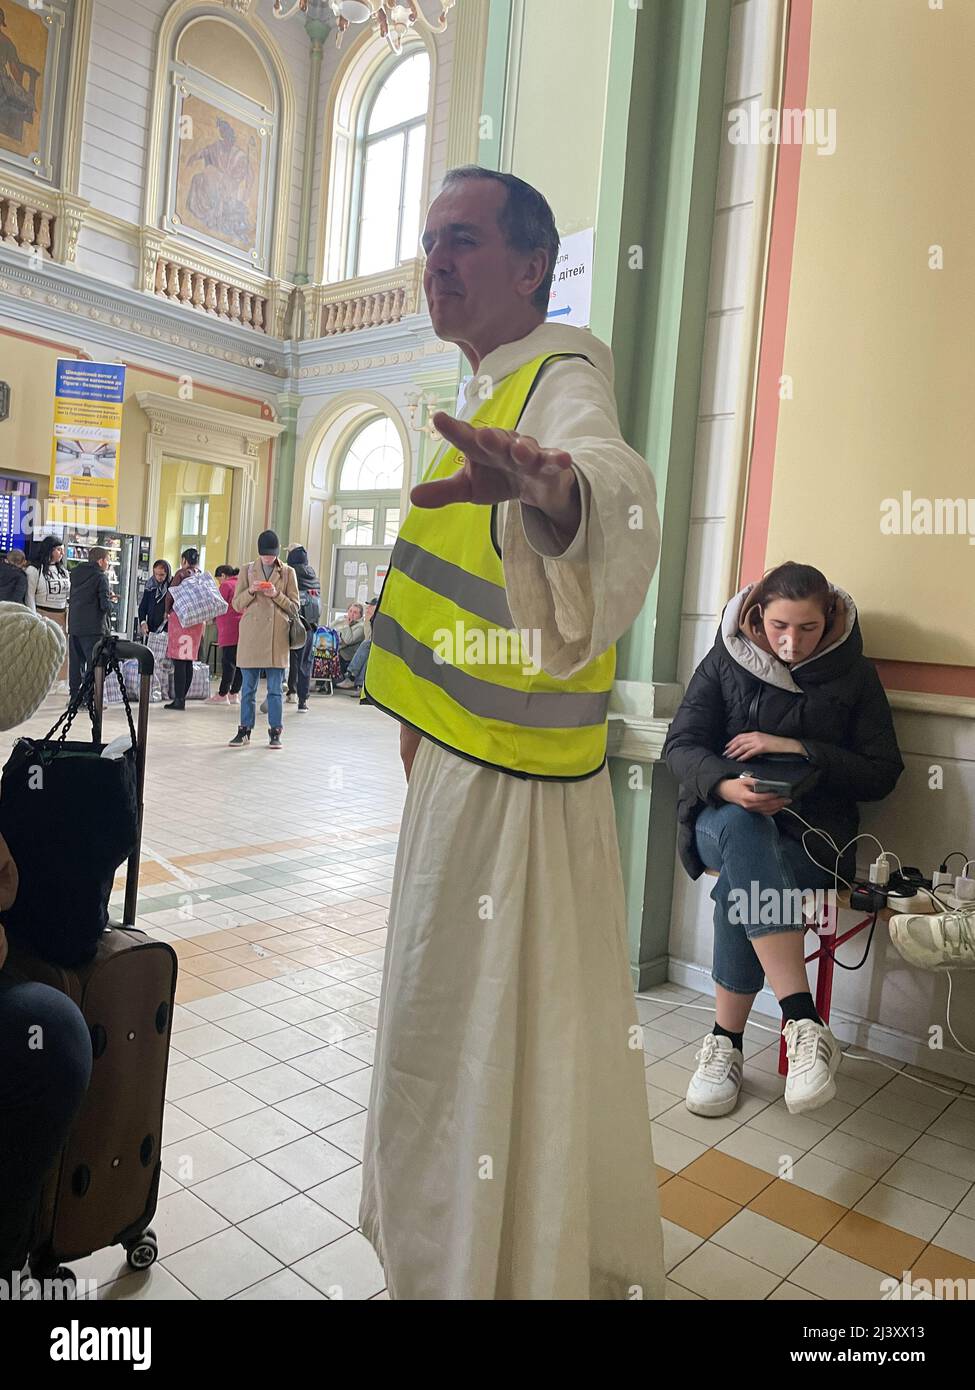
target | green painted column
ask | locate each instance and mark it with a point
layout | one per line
(318, 31)
(285, 450)
(653, 244)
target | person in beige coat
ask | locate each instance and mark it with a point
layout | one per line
(266, 596)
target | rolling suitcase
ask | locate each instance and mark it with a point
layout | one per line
(102, 1190)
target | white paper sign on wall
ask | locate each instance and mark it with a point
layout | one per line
(571, 297)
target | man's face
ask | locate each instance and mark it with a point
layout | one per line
(103, 563)
(473, 280)
(371, 611)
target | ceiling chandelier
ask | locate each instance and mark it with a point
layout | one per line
(393, 21)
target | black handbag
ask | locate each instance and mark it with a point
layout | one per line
(70, 818)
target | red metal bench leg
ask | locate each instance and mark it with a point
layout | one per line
(824, 976)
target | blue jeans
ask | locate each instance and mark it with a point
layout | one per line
(358, 663)
(248, 696)
(41, 1089)
(752, 857)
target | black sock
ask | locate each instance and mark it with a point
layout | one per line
(736, 1038)
(797, 1006)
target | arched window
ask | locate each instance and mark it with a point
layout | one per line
(391, 144)
(369, 484)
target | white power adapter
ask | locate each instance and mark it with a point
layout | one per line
(942, 879)
(965, 889)
(880, 871)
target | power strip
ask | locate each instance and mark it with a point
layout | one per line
(919, 903)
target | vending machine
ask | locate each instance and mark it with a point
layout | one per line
(129, 567)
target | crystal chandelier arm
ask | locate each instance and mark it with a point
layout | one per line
(280, 12)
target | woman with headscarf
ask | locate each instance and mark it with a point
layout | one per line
(152, 608)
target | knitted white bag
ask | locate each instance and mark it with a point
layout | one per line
(33, 649)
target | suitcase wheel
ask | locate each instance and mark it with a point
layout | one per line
(143, 1251)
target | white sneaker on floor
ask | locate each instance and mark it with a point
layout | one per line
(714, 1087)
(937, 940)
(814, 1058)
(217, 700)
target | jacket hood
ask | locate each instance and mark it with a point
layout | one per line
(86, 576)
(298, 556)
(841, 642)
(541, 341)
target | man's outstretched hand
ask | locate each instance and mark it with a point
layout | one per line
(501, 466)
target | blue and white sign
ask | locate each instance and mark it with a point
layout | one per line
(571, 297)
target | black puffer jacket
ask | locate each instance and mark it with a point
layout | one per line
(13, 583)
(833, 703)
(309, 585)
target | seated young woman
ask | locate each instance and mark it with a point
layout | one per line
(786, 675)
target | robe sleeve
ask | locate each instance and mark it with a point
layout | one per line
(581, 598)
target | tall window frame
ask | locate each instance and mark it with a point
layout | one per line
(384, 503)
(365, 140)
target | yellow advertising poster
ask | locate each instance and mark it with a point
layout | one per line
(88, 399)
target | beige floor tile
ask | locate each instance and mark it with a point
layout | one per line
(830, 1180)
(705, 1129)
(762, 1151)
(763, 1242)
(218, 1105)
(833, 1275)
(921, 1180)
(787, 1292)
(678, 1243)
(244, 1191)
(185, 1078)
(879, 1130)
(675, 1293)
(668, 1077)
(285, 1286)
(221, 1265)
(850, 1152)
(308, 1161)
(715, 1273)
(262, 1132)
(948, 1157)
(800, 1132)
(340, 1195)
(958, 1236)
(672, 1150)
(346, 1268)
(956, 1125)
(902, 1210)
(319, 1107)
(200, 1157)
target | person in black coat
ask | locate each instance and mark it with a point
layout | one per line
(13, 577)
(786, 677)
(89, 606)
(152, 605)
(310, 595)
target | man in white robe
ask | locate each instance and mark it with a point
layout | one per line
(508, 1150)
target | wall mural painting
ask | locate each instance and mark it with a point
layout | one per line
(218, 173)
(23, 55)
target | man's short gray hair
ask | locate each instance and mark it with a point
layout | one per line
(526, 219)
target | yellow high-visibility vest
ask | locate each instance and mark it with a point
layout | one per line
(446, 657)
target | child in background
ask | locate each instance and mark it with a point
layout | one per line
(228, 626)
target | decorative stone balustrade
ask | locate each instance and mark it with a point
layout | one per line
(223, 299)
(26, 226)
(371, 301)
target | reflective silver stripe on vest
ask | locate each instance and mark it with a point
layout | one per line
(478, 596)
(530, 709)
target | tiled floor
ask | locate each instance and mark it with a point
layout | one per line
(269, 872)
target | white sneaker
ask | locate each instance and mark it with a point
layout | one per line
(937, 940)
(217, 700)
(714, 1087)
(814, 1058)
